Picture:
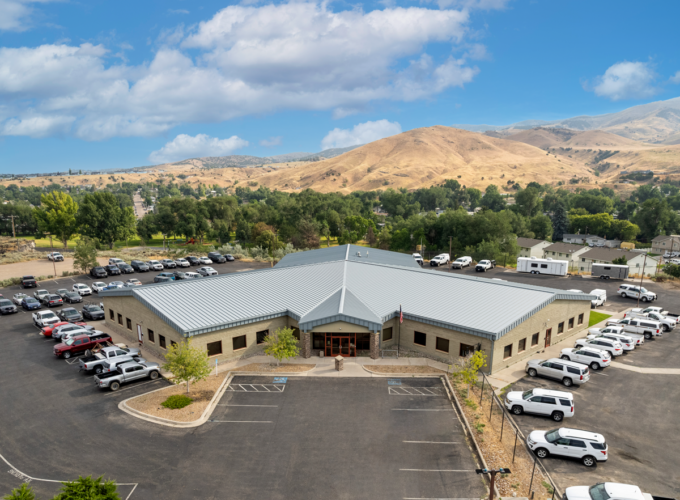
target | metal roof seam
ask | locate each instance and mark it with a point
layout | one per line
(344, 286)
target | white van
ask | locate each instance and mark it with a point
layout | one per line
(535, 265)
(440, 260)
(601, 298)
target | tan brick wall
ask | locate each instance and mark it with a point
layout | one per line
(140, 314)
(340, 327)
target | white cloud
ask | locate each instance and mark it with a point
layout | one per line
(38, 126)
(245, 60)
(271, 142)
(15, 15)
(360, 134)
(185, 146)
(626, 80)
(675, 78)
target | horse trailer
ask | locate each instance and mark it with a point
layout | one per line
(535, 265)
(610, 271)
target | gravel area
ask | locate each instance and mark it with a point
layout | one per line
(266, 367)
(402, 369)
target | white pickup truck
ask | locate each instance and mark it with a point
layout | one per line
(648, 328)
(667, 323)
(617, 330)
(485, 265)
(108, 355)
(461, 262)
(611, 491)
(42, 319)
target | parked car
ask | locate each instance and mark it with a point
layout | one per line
(205, 260)
(485, 265)
(588, 447)
(609, 491)
(98, 286)
(139, 266)
(216, 257)
(28, 282)
(126, 268)
(461, 262)
(189, 275)
(62, 292)
(181, 262)
(98, 361)
(179, 275)
(636, 292)
(52, 300)
(557, 404)
(82, 289)
(17, 298)
(601, 298)
(659, 310)
(133, 282)
(55, 256)
(611, 346)
(627, 343)
(70, 314)
(44, 318)
(618, 330)
(169, 264)
(194, 261)
(89, 332)
(163, 279)
(595, 358)
(7, 307)
(113, 261)
(229, 257)
(40, 294)
(155, 265)
(648, 328)
(167, 275)
(115, 284)
(48, 330)
(30, 303)
(93, 312)
(112, 270)
(98, 272)
(667, 323)
(417, 257)
(127, 372)
(567, 372)
(207, 271)
(72, 297)
(65, 327)
(440, 260)
(78, 344)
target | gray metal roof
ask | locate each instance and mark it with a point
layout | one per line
(353, 253)
(358, 291)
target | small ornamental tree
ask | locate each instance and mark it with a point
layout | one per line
(472, 366)
(620, 261)
(282, 344)
(187, 363)
(86, 488)
(85, 254)
(23, 492)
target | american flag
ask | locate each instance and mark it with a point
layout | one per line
(401, 315)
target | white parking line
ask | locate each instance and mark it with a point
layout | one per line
(242, 421)
(420, 409)
(113, 393)
(435, 470)
(259, 406)
(431, 442)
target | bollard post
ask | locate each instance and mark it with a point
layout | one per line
(514, 449)
(532, 476)
(502, 422)
(481, 393)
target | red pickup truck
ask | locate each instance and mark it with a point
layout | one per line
(79, 343)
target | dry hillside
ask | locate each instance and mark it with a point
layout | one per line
(543, 138)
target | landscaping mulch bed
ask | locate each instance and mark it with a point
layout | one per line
(414, 369)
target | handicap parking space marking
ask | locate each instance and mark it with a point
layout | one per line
(280, 380)
(256, 388)
(414, 391)
(394, 381)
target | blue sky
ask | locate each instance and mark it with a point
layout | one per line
(101, 84)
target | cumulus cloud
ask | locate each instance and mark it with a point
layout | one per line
(244, 60)
(675, 78)
(626, 80)
(271, 142)
(185, 146)
(361, 133)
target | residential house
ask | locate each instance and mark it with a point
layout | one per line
(529, 247)
(666, 243)
(565, 251)
(580, 239)
(603, 255)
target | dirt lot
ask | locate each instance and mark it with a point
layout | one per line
(40, 268)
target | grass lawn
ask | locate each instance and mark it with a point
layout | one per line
(596, 317)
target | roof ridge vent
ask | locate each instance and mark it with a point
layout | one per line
(358, 254)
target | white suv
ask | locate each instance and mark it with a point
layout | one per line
(556, 404)
(461, 262)
(611, 346)
(627, 343)
(617, 330)
(155, 265)
(440, 260)
(595, 358)
(636, 292)
(114, 261)
(82, 289)
(588, 447)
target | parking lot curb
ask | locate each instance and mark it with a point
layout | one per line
(403, 375)
(170, 423)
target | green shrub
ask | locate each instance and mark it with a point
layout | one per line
(177, 402)
(470, 404)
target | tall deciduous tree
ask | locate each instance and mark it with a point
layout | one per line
(187, 363)
(57, 215)
(85, 254)
(101, 217)
(282, 344)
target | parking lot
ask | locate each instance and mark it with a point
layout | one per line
(637, 413)
(313, 438)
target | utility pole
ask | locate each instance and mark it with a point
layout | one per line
(14, 234)
(450, 246)
(54, 264)
(493, 473)
(642, 276)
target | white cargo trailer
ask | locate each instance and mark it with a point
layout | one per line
(535, 265)
(613, 271)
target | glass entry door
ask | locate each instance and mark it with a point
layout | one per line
(340, 346)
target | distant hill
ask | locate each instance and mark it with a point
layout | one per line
(654, 122)
(543, 137)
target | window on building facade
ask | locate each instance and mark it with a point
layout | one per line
(120, 319)
(522, 346)
(466, 350)
(580, 319)
(560, 328)
(215, 348)
(507, 351)
(261, 335)
(173, 343)
(534, 340)
(442, 344)
(161, 341)
(239, 342)
(419, 338)
(128, 323)
(387, 334)
(151, 335)
(571, 323)
(111, 316)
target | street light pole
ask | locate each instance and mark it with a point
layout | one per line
(492, 473)
(644, 263)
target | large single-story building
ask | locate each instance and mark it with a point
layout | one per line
(346, 301)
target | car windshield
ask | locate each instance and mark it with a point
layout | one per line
(49, 315)
(552, 436)
(598, 492)
(30, 300)
(5, 302)
(527, 394)
(69, 342)
(95, 309)
(643, 290)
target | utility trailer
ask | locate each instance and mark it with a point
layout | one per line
(610, 271)
(534, 265)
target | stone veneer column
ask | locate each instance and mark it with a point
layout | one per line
(306, 339)
(375, 345)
